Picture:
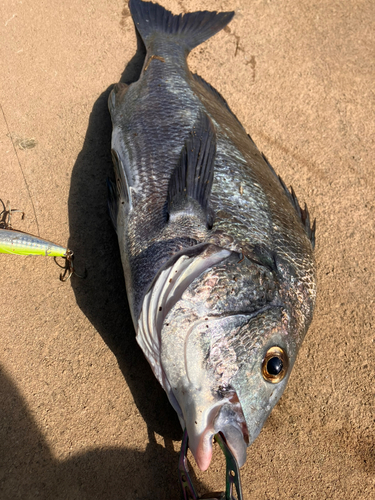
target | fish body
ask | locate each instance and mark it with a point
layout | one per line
(20, 243)
(217, 253)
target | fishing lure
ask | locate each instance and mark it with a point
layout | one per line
(21, 243)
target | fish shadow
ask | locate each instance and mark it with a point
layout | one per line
(102, 295)
(29, 469)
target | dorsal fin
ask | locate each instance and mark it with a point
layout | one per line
(268, 163)
(211, 89)
(215, 94)
(194, 174)
(302, 213)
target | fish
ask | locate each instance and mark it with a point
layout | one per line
(218, 255)
(20, 243)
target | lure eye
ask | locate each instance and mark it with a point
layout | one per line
(275, 365)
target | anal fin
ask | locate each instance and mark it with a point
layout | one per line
(117, 93)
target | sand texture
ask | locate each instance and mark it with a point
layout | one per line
(81, 415)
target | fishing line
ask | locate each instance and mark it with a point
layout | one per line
(23, 175)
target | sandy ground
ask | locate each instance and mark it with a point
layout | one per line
(82, 416)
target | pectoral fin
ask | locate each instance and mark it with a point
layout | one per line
(193, 177)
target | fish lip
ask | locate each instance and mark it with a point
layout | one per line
(228, 419)
(203, 452)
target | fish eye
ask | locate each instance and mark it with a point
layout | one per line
(275, 365)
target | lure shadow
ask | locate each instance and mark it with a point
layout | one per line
(102, 296)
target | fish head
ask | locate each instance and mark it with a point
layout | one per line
(227, 349)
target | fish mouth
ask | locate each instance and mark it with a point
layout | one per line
(228, 419)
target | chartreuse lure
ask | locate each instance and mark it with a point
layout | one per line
(20, 243)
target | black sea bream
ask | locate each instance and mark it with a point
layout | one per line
(217, 253)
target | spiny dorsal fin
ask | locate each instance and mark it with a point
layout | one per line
(302, 213)
(194, 174)
(268, 163)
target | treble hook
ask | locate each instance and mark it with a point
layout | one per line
(69, 267)
(21, 243)
(6, 214)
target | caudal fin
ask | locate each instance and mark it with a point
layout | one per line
(188, 30)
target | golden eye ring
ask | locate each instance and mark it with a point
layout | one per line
(275, 365)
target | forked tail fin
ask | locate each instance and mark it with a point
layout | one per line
(187, 31)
